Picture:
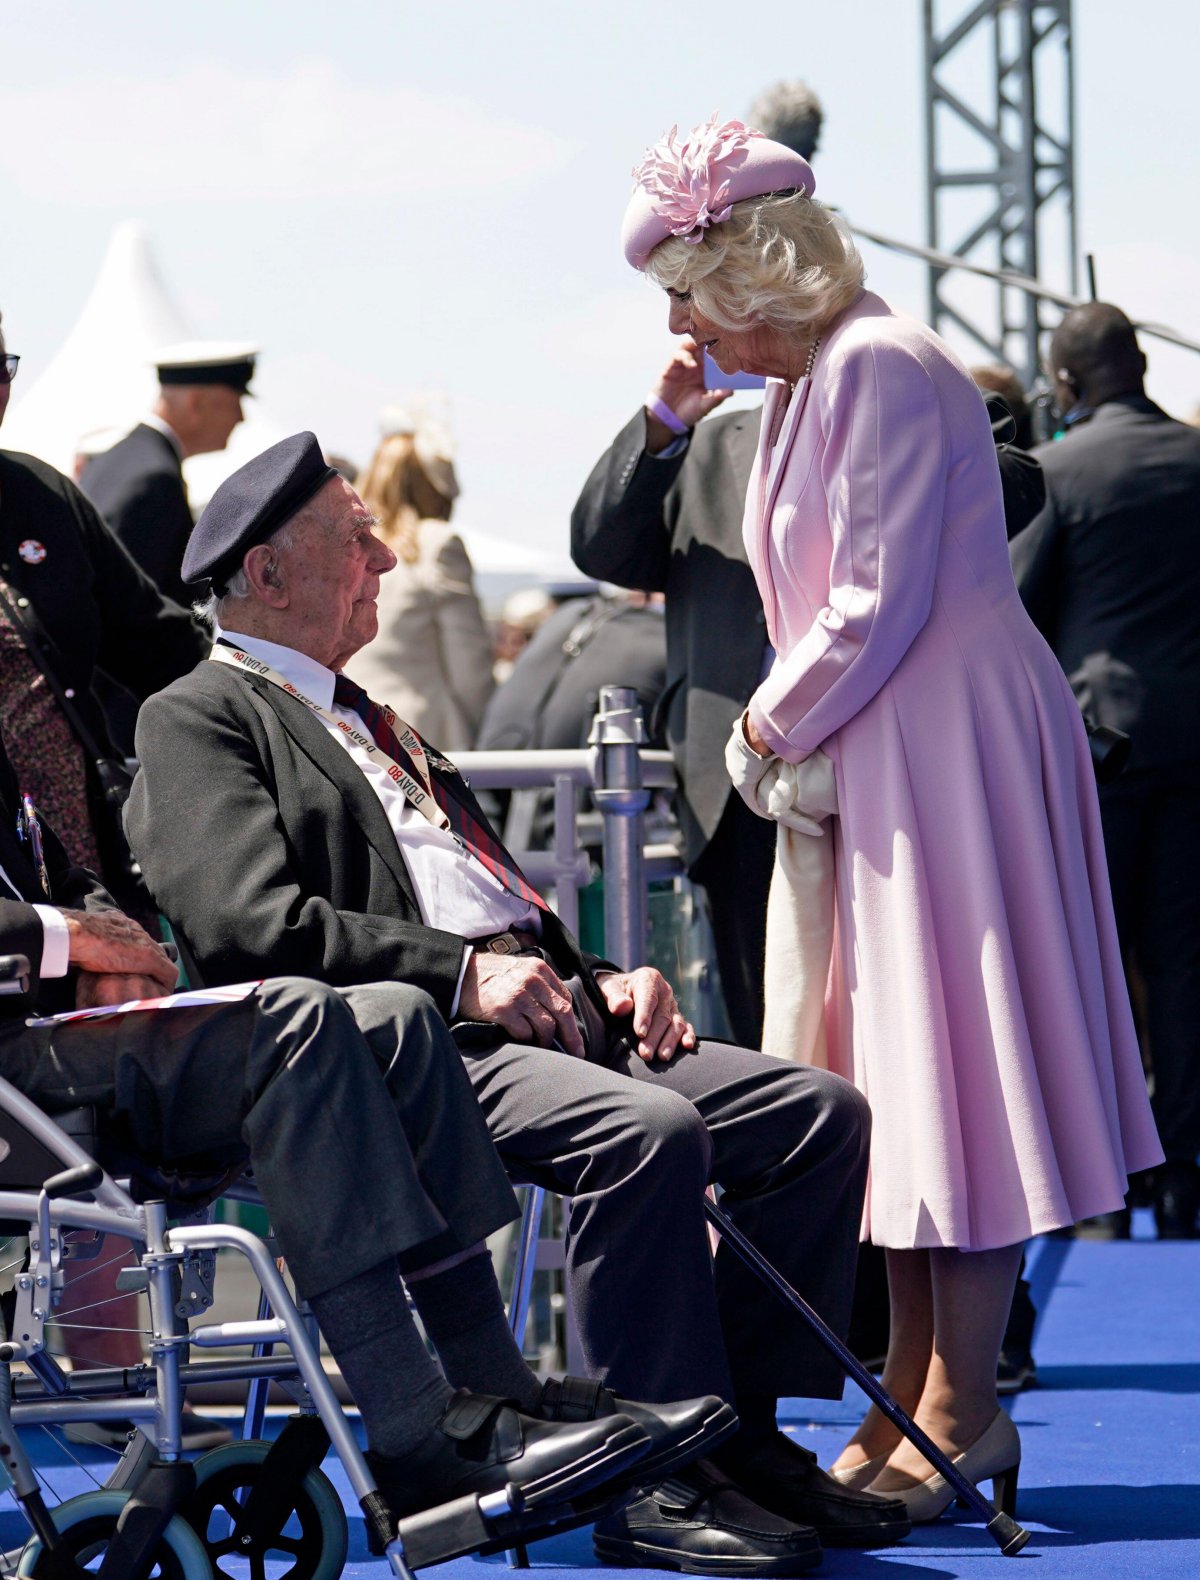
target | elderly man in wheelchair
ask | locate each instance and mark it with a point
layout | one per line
(289, 1077)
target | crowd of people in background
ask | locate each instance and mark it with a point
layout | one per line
(923, 680)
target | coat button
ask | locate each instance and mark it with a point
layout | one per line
(22, 603)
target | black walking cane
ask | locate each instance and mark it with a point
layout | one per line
(1002, 1528)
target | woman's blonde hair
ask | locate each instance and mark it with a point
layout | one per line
(398, 490)
(783, 259)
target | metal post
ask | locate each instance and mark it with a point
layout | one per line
(566, 853)
(618, 731)
(1000, 160)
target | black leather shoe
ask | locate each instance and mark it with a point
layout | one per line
(699, 1523)
(485, 1445)
(786, 1479)
(1176, 1201)
(1115, 1225)
(1015, 1369)
(678, 1432)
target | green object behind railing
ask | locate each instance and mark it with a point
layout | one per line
(678, 943)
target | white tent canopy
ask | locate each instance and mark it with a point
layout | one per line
(102, 377)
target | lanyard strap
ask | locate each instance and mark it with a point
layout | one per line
(416, 785)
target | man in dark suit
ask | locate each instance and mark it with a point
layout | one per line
(1110, 571)
(663, 512)
(329, 1096)
(138, 485)
(282, 816)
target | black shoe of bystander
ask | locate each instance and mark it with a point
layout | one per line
(698, 1522)
(786, 1479)
(1176, 1201)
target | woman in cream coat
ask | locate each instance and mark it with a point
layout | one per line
(432, 659)
(976, 994)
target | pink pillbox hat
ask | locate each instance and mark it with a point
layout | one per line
(684, 187)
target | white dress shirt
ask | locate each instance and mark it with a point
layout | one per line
(455, 892)
(56, 940)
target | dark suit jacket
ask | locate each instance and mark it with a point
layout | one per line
(1110, 573)
(676, 527)
(264, 843)
(73, 888)
(98, 608)
(138, 488)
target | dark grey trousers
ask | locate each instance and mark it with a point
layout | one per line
(634, 1147)
(353, 1107)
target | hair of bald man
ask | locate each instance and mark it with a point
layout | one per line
(213, 609)
(1097, 346)
(792, 114)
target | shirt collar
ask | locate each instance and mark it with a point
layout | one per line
(153, 420)
(313, 680)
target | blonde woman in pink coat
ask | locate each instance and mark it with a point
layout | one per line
(976, 994)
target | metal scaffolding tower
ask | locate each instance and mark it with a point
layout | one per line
(1001, 174)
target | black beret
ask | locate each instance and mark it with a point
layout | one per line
(251, 504)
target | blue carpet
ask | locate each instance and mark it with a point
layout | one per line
(1110, 1477)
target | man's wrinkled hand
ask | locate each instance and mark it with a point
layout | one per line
(96, 989)
(646, 996)
(525, 996)
(108, 943)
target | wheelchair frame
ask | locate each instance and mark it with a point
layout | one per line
(152, 1476)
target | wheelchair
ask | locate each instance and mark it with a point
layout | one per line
(237, 1508)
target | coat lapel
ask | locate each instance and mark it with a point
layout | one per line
(332, 760)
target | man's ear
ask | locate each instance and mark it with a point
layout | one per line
(261, 567)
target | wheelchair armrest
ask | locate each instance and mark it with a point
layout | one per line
(14, 974)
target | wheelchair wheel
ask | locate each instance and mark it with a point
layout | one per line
(312, 1542)
(87, 1523)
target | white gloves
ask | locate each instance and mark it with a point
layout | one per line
(798, 795)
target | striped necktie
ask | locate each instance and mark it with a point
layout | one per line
(477, 838)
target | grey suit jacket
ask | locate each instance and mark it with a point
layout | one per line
(676, 527)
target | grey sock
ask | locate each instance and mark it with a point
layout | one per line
(464, 1317)
(391, 1375)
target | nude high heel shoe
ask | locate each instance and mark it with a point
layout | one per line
(994, 1456)
(857, 1477)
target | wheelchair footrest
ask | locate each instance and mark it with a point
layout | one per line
(453, 1530)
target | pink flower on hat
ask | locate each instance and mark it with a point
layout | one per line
(687, 181)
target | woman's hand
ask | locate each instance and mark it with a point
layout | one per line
(753, 738)
(681, 386)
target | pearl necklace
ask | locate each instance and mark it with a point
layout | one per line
(812, 357)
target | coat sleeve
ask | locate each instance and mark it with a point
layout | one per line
(1037, 555)
(463, 638)
(620, 531)
(146, 641)
(883, 473)
(1024, 487)
(204, 821)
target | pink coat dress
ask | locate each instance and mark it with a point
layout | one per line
(976, 995)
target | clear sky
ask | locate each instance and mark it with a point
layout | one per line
(391, 196)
